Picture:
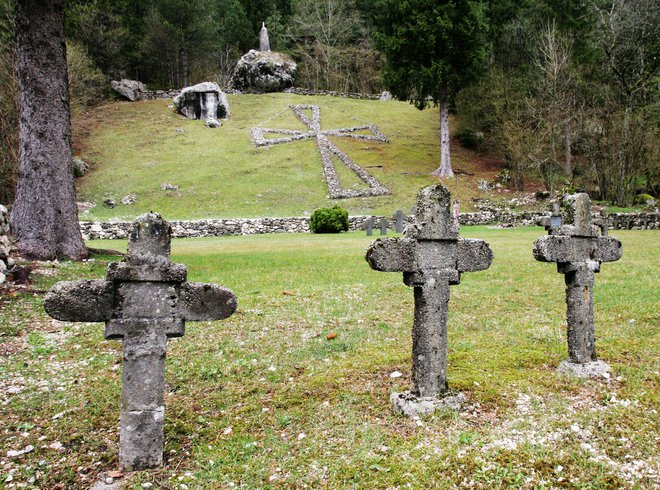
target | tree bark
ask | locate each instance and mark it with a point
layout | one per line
(44, 216)
(444, 171)
(568, 156)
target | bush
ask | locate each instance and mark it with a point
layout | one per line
(87, 84)
(469, 138)
(644, 200)
(329, 220)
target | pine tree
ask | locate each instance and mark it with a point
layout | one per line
(433, 49)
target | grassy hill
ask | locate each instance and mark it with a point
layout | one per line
(135, 147)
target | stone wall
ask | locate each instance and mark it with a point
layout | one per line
(252, 226)
(169, 94)
(6, 262)
(332, 93)
(159, 94)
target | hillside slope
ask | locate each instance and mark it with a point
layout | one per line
(133, 148)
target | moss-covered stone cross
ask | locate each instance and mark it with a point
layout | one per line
(144, 300)
(432, 257)
(578, 251)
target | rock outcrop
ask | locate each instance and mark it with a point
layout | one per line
(129, 89)
(264, 71)
(203, 101)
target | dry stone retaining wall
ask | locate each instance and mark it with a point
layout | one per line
(253, 226)
(170, 94)
(159, 94)
(6, 248)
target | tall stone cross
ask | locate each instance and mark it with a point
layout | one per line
(328, 150)
(578, 250)
(144, 300)
(432, 257)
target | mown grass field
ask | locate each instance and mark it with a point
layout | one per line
(133, 148)
(264, 400)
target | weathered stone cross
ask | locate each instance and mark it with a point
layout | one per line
(144, 300)
(432, 257)
(327, 149)
(578, 251)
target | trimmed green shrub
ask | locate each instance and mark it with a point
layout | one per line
(329, 220)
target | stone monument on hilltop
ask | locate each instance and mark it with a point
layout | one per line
(574, 244)
(264, 70)
(432, 257)
(264, 42)
(204, 101)
(144, 301)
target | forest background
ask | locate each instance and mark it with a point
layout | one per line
(564, 90)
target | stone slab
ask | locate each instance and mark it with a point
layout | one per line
(595, 369)
(413, 406)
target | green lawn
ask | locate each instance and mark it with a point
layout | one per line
(264, 400)
(133, 148)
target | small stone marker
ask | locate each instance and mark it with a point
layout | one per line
(457, 205)
(369, 226)
(144, 300)
(432, 257)
(399, 218)
(578, 251)
(603, 222)
(383, 226)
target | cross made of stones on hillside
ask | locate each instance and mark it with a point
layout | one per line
(575, 245)
(328, 150)
(432, 256)
(144, 301)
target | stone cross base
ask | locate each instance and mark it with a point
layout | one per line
(413, 406)
(595, 369)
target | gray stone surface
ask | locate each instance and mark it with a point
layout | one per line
(432, 257)
(129, 89)
(413, 406)
(399, 218)
(383, 226)
(6, 246)
(204, 101)
(264, 71)
(369, 226)
(143, 301)
(594, 369)
(578, 251)
(264, 43)
(80, 167)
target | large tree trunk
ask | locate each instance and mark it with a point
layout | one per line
(444, 171)
(44, 216)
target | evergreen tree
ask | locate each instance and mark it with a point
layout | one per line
(433, 49)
